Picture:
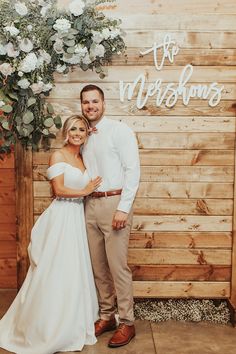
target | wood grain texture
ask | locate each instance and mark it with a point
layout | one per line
(178, 289)
(24, 204)
(183, 229)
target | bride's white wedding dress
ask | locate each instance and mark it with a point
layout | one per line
(56, 307)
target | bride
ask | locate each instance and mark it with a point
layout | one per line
(56, 307)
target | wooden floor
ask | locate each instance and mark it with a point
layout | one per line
(161, 338)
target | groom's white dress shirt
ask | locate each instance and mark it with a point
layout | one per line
(112, 153)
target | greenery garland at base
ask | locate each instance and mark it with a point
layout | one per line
(36, 40)
(193, 310)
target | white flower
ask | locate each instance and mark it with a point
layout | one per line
(37, 87)
(81, 50)
(29, 63)
(58, 46)
(24, 83)
(40, 61)
(20, 73)
(26, 45)
(11, 52)
(40, 86)
(86, 59)
(12, 30)
(6, 69)
(46, 57)
(21, 9)
(76, 7)
(2, 103)
(62, 25)
(97, 51)
(3, 50)
(47, 87)
(75, 59)
(43, 57)
(29, 27)
(114, 33)
(106, 33)
(61, 68)
(45, 9)
(97, 37)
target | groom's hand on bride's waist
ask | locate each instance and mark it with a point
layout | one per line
(119, 220)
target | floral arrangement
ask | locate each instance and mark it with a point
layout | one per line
(37, 40)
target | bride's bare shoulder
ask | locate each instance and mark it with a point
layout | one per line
(57, 156)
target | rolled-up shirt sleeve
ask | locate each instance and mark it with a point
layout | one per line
(127, 147)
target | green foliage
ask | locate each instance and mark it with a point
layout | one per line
(35, 42)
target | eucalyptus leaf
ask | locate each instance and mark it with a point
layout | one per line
(28, 129)
(45, 131)
(70, 43)
(70, 50)
(28, 117)
(5, 125)
(58, 122)
(50, 108)
(84, 67)
(6, 108)
(31, 101)
(48, 122)
(13, 96)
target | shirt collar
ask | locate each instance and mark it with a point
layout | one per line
(101, 123)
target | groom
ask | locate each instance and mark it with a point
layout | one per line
(112, 153)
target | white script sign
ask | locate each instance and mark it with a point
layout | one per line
(172, 91)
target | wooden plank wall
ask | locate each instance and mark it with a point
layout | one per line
(181, 242)
(7, 224)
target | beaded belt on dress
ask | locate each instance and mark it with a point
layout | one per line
(105, 194)
(71, 200)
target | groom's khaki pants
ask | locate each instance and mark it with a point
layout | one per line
(108, 250)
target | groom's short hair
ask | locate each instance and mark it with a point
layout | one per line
(91, 87)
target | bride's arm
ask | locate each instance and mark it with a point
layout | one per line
(59, 188)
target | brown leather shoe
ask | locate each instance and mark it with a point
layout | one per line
(102, 326)
(122, 336)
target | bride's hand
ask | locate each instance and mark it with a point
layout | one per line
(93, 185)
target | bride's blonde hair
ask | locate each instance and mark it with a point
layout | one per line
(68, 124)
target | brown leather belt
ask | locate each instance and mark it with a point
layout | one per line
(105, 194)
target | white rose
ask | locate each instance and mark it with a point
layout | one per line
(21, 9)
(29, 27)
(37, 87)
(6, 69)
(58, 46)
(76, 7)
(20, 73)
(97, 51)
(3, 50)
(62, 25)
(29, 63)
(45, 9)
(61, 68)
(114, 33)
(46, 57)
(105, 33)
(86, 59)
(11, 52)
(81, 50)
(47, 87)
(24, 83)
(97, 37)
(12, 30)
(26, 45)
(40, 61)
(2, 103)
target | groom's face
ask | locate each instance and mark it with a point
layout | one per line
(93, 106)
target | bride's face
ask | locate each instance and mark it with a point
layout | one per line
(77, 133)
